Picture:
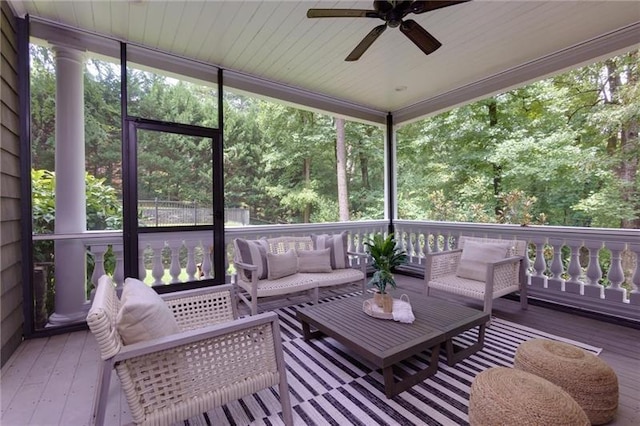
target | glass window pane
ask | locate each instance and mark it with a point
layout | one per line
(161, 95)
(175, 183)
(281, 165)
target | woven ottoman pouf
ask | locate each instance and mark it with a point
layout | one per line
(506, 396)
(587, 378)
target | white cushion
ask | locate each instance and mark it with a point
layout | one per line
(314, 261)
(253, 252)
(338, 245)
(143, 314)
(282, 265)
(476, 255)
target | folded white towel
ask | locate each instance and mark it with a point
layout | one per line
(402, 310)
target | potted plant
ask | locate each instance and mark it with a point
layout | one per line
(385, 256)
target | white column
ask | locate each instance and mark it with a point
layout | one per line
(70, 258)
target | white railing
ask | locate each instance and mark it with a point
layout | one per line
(573, 281)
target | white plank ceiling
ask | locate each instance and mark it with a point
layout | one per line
(275, 41)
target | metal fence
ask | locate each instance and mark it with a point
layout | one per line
(175, 213)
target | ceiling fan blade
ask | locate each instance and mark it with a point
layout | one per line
(427, 6)
(341, 13)
(366, 42)
(419, 36)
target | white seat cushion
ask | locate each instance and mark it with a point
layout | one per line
(290, 284)
(335, 277)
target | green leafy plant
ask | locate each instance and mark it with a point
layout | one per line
(386, 255)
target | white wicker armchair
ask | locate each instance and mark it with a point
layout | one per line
(502, 277)
(215, 359)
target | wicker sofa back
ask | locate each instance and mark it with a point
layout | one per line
(253, 280)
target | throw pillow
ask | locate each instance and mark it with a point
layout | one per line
(282, 265)
(253, 252)
(143, 315)
(476, 255)
(314, 261)
(337, 244)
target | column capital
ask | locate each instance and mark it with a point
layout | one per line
(65, 52)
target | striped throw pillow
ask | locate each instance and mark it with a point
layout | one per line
(337, 244)
(253, 252)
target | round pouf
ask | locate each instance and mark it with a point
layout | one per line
(506, 396)
(588, 379)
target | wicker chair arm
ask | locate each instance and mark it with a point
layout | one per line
(245, 266)
(169, 379)
(505, 273)
(190, 337)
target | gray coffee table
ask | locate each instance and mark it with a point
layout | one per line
(386, 342)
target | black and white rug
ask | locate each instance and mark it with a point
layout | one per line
(331, 386)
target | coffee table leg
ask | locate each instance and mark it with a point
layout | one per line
(454, 355)
(307, 333)
(393, 387)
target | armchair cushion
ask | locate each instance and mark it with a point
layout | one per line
(282, 265)
(253, 252)
(337, 244)
(143, 315)
(476, 255)
(314, 261)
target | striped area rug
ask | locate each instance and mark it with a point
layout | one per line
(329, 385)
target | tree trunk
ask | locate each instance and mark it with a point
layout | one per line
(306, 213)
(341, 164)
(364, 170)
(625, 141)
(497, 169)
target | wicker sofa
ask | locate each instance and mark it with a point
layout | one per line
(277, 267)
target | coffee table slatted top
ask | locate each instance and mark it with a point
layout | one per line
(386, 342)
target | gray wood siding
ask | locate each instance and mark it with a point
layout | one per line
(11, 317)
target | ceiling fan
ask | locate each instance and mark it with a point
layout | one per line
(392, 13)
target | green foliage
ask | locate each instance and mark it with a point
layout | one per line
(104, 209)
(386, 256)
(560, 151)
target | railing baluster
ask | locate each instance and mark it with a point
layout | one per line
(556, 282)
(615, 275)
(594, 273)
(574, 284)
(174, 267)
(191, 259)
(206, 261)
(634, 297)
(142, 270)
(118, 270)
(98, 252)
(539, 265)
(157, 270)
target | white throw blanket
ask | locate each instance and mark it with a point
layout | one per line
(402, 310)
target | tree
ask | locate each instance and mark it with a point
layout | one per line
(341, 165)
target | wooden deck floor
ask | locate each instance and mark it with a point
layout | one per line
(50, 381)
